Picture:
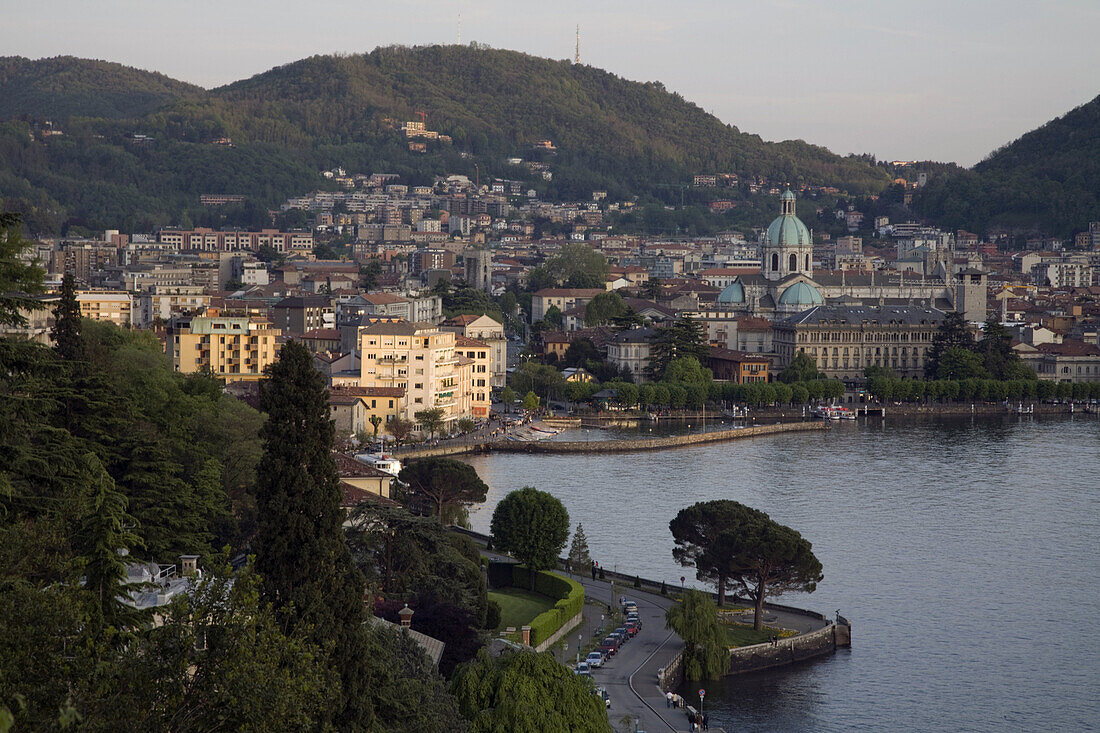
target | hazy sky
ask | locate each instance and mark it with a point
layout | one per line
(928, 79)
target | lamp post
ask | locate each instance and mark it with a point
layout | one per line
(682, 579)
(580, 640)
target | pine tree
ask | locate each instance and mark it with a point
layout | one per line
(66, 329)
(102, 530)
(300, 547)
(579, 559)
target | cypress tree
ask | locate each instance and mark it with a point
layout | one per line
(66, 327)
(300, 548)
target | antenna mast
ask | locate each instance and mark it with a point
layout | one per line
(577, 54)
(460, 29)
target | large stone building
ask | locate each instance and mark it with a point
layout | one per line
(845, 340)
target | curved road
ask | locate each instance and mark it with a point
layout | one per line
(630, 677)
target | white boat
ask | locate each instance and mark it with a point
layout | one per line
(834, 412)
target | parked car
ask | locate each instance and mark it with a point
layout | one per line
(634, 617)
(594, 659)
(632, 628)
(602, 693)
(583, 669)
(621, 631)
(609, 646)
(629, 606)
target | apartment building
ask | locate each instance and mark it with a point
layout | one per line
(475, 359)
(421, 359)
(207, 240)
(233, 348)
(165, 301)
(489, 332)
(114, 306)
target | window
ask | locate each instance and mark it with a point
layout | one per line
(418, 385)
(775, 261)
(374, 403)
(794, 263)
(391, 404)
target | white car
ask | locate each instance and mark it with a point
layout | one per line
(594, 659)
(582, 669)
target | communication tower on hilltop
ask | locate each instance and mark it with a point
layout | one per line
(460, 29)
(577, 53)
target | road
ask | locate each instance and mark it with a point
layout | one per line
(630, 677)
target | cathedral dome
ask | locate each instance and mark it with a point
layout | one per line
(732, 293)
(801, 294)
(787, 230)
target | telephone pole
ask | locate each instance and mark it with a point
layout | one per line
(577, 54)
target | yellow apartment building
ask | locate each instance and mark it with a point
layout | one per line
(234, 348)
(421, 359)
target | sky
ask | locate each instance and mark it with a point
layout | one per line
(929, 79)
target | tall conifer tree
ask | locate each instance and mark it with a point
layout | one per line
(66, 328)
(300, 547)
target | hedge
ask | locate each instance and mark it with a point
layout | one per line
(570, 595)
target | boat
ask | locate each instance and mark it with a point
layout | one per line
(834, 412)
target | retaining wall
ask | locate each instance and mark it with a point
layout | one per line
(565, 628)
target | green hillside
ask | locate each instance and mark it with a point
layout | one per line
(1048, 181)
(63, 87)
(292, 121)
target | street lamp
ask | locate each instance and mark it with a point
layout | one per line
(580, 640)
(682, 579)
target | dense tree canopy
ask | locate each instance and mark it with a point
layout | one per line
(525, 691)
(532, 526)
(440, 486)
(695, 620)
(730, 543)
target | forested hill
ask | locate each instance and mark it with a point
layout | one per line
(62, 87)
(292, 121)
(1048, 181)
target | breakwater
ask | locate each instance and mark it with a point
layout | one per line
(611, 446)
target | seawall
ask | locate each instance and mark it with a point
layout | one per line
(611, 446)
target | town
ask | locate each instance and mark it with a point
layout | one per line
(442, 291)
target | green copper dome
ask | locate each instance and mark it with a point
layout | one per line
(801, 294)
(787, 229)
(733, 293)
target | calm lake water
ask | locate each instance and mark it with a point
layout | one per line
(964, 551)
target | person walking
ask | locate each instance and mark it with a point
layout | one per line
(594, 571)
(668, 699)
(706, 722)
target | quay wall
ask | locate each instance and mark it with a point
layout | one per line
(610, 446)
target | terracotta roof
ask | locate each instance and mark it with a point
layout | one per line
(733, 355)
(466, 341)
(462, 320)
(752, 323)
(1069, 347)
(354, 495)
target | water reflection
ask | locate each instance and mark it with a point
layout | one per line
(938, 539)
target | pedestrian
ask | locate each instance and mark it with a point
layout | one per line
(706, 722)
(593, 571)
(668, 699)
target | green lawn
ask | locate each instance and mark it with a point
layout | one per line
(518, 607)
(746, 635)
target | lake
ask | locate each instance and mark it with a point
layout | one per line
(964, 551)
